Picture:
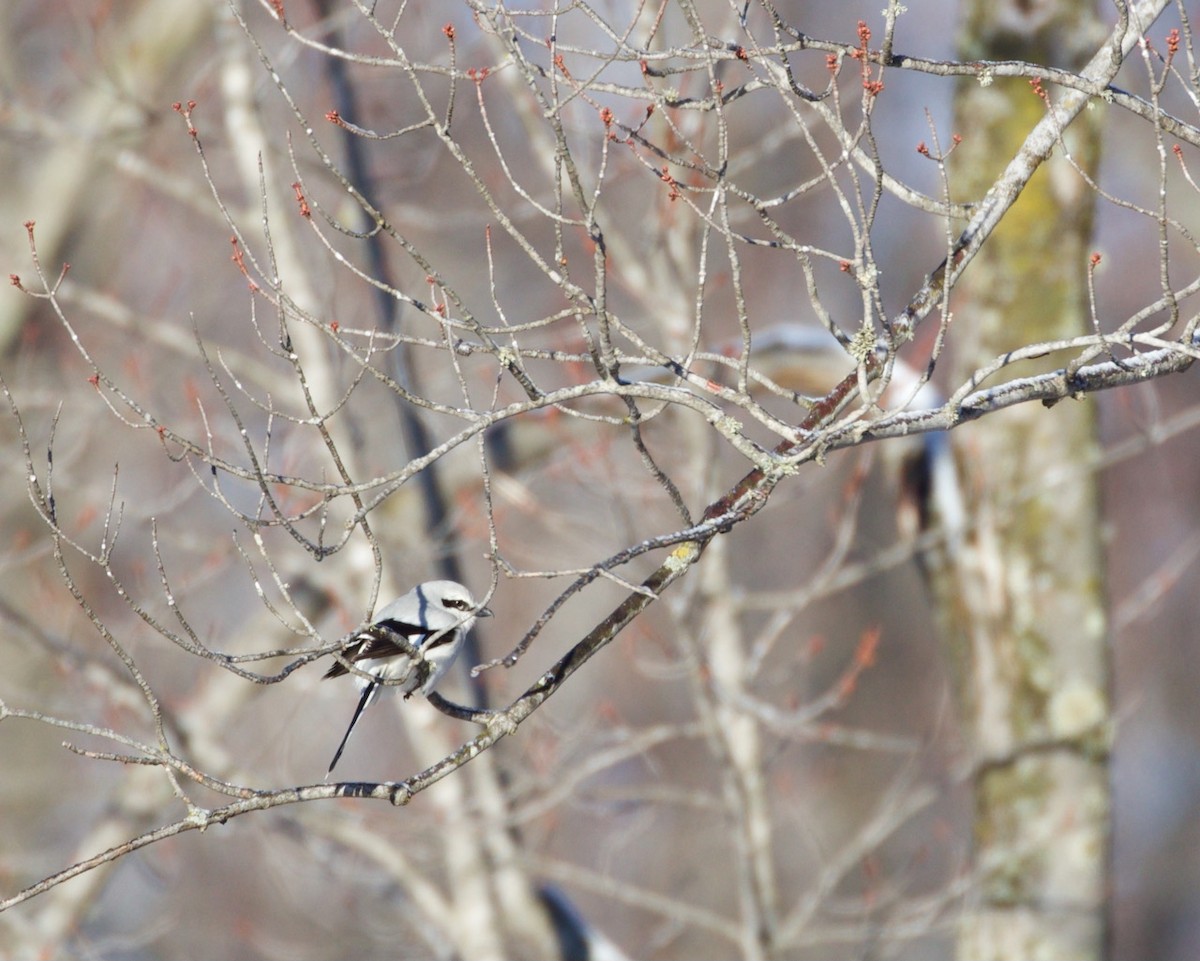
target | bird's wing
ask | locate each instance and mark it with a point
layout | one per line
(382, 639)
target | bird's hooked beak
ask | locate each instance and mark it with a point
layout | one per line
(484, 612)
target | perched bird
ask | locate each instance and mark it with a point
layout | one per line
(432, 619)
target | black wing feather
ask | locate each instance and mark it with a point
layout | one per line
(379, 640)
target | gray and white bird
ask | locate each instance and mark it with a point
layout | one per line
(433, 618)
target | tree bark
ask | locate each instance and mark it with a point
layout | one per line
(1022, 601)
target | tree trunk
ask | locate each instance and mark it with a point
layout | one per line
(1022, 603)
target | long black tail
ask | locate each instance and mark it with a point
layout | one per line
(362, 703)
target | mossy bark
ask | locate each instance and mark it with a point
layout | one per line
(1022, 601)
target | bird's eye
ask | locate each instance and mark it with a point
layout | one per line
(454, 602)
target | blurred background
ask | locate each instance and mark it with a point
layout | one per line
(617, 796)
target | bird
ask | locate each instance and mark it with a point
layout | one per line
(432, 619)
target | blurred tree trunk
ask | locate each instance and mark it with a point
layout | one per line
(103, 123)
(1022, 606)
